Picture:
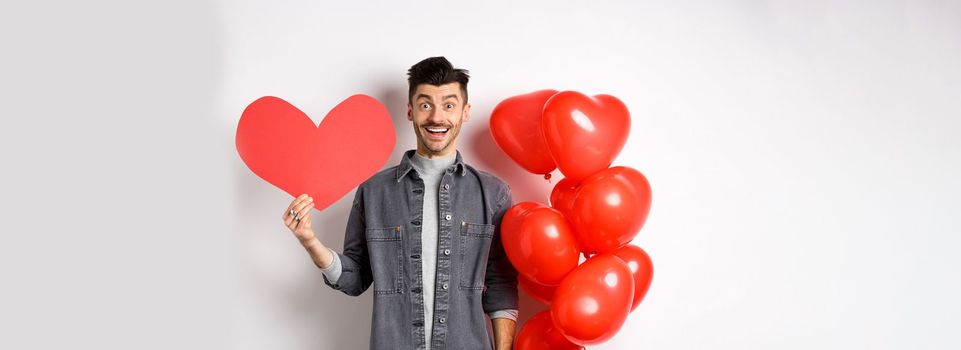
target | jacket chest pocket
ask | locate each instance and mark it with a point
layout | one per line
(475, 243)
(386, 258)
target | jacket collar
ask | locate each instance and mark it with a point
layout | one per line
(405, 165)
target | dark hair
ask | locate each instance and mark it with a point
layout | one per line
(436, 71)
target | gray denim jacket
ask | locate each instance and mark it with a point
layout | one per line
(382, 246)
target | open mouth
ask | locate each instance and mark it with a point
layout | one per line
(437, 132)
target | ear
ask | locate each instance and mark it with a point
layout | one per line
(410, 111)
(466, 115)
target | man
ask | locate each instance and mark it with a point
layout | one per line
(426, 233)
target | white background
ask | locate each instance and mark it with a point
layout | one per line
(803, 156)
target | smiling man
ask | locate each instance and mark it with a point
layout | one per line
(426, 233)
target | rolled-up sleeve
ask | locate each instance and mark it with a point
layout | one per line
(332, 272)
(355, 272)
(501, 279)
(509, 314)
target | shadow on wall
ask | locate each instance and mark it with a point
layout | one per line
(395, 99)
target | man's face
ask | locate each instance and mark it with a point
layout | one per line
(437, 113)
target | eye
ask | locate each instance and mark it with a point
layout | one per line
(425, 106)
(450, 106)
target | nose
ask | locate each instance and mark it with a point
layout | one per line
(435, 117)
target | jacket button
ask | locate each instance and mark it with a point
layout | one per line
(444, 286)
(447, 217)
(442, 320)
(446, 251)
(446, 186)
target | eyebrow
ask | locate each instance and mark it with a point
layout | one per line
(454, 96)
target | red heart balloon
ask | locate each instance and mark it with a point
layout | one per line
(515, 124)
(593, 301)
(539, 243)
(562, 196)
(539, 333)
(538, 291)
(641, 268)
(585, 133)
(513, 217)
(610, 207)
(282, 145)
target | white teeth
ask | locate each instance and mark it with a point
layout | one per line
(436, 130)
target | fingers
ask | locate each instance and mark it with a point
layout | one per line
(290, 221)
(304, 220)
(304, 209)
(306, 204)
(294, 203)
(296, 211)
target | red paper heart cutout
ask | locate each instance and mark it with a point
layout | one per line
(585, 133)
(282, 145)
